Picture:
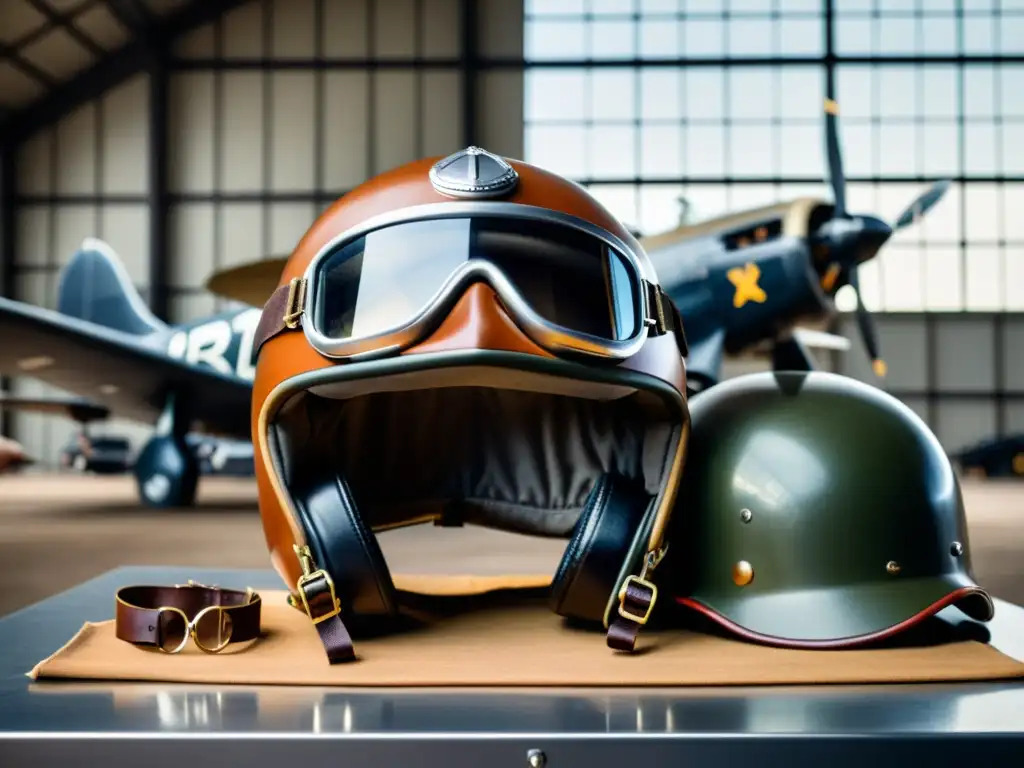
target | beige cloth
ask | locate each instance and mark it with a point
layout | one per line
(508, 638)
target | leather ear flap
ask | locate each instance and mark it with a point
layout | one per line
(344, 547)
(604, 539)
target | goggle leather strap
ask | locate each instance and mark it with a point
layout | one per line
(665, 316)
(282, 312)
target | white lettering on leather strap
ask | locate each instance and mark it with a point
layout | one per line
(245, 323)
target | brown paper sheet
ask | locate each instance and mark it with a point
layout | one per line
(509, 639)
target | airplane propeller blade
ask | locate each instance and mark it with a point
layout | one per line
(251, 283)
(850, 241)
(866, 324)
(922, 204)
(821, 339)
(835, 158)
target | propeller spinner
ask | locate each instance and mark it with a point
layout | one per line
(844, 242)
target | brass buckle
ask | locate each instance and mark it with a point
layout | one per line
(310, 574)
(294, 306)
(650, 563)
(641, 620)
(655, 310)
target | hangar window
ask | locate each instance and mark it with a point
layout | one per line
(719, 101)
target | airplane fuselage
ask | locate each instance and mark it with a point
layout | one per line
(750, 294)
(223, 343)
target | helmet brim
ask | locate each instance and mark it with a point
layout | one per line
(841, 617)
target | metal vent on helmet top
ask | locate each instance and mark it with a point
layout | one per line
(473, 173)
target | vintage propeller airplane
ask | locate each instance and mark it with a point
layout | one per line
(751, 277)
(739, 281)
(103, 343)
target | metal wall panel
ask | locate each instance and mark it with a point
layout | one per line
(191, 148)
(965, 351)
(499, 96)
(346, 121)
(962, 372)
(959, 423)
(302, 101)
(83, 177)
(1015, 418)
(903, 342)
(1013, 354)
(292, 132)
(396, 118)
(123, 139)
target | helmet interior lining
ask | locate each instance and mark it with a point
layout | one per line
(510, 449)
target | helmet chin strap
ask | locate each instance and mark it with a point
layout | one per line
(315, 588)
(638, 594)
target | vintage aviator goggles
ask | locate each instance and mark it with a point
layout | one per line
(167, 617)
(571, 287)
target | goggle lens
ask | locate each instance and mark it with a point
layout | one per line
(568, 277)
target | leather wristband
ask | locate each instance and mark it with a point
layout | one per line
(167, 616)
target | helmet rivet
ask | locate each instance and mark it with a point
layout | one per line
(742, 573)
(892, 567)
(746, 515)
(956, 549)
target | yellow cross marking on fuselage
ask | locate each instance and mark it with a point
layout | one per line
(745, 279)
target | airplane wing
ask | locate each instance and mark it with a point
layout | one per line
(74, 408)
(251, 283)
(128, 374)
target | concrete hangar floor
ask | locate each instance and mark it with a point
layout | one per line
(56, 532)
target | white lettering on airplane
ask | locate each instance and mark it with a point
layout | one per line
(208, 343)
(245, 324)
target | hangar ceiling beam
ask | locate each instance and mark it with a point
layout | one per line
(16, 60)
(60, 20)
(133, 14)
(112, 70)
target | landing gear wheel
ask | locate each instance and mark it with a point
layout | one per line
(167, 473)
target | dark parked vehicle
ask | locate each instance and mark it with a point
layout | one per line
(218, 456)
(998, 457)
(113, 455)
(99, 455)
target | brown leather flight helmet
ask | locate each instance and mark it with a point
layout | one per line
(472, 341)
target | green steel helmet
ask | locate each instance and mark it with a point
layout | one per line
(817, 512)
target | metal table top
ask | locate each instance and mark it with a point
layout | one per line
(261, 725)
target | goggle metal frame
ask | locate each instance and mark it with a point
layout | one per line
(545, 333)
